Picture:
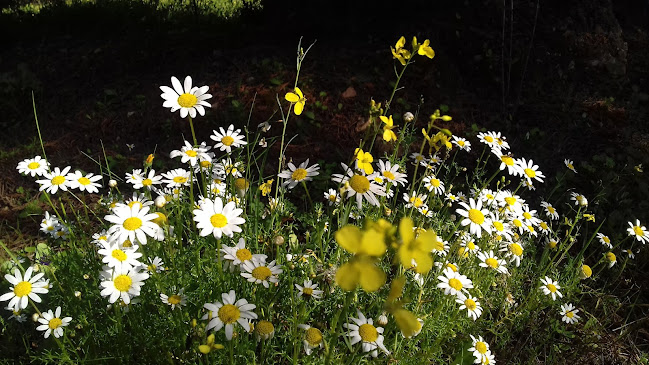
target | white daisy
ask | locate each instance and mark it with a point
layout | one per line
(604, 240)
(462, 143)
(122, 283)
(452, 282)
(176, 178)
(362, 329)
(332, 197)
(148, 182)
(359, 185)
(120, 257)
(551, 288)
(579, 199)
(512, 250)
(470, 303)
(312, 338)
(51, 322)
(55, 180)
(155, 265)
(391, 173)
(434, 185)
(569, 165)
(550, 211)
(569, 313)
(33, 166)
(50, 224)
(88, 182)
(530, 170)
(24, 288)
(239, 254)
(507, 162)
(488, 139)
(309, 290)
(260, 272)
(130, 223)
(295, 175)
(490, 261)
(228, 313)
(134, 176)
(414, 200)
(175, 300)
(475, 217)
(185, 98)
(227, 167)
(638, 231)
(226, 140)
(190, 154)
(218, 220)
(480, 349)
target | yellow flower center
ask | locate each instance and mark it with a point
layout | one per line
(241, 183)
(551, 210)
(180, 179)
(23, 288)
(517, 222)
(261, 273)
(586, 270)
(544, 225)
(492, 263)
(489, 139)
(133, 223)
(368, 332)
(127, 243)
(123, 283)
(359, 183)
(455, 284)
(205, 164)
(119, 255)
(570, 314)
(161, 220)
(527, 215)
(227, 140)
(299, 174)
(435, 182)
(570, 166)
(218, 220)
(243, 254)
(471, 245)
(481, 347)
(470, 304)
(229, 313)
(135, 202)
(610, 256)
(416, 201)
(507, 160)
(332, 198)
(55, 323)
(33, 165)
(476, 216)
(516, 249)
(174, 299)
(499, 226)
(530, 172)
(191, 153)
(552, 244)
(264, 328)
(58, 180)
(552, 288)
(313, 336)
(307, 291)
(638, 231)
(389, 175)
(460, 143)
(187, 100)
(84, 181)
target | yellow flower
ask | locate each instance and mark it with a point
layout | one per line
(388, 134)
(210, 345)
(353, 240)
(407, 322)
(360, 270)
(364, 161)
(399, 53)
(415, 251)
(442, 138)
(396, 288)
(298, 99)
(149, 159)
(590, 217)
(426, 50)
(266, 187)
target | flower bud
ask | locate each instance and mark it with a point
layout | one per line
(278, 240)
(112, 183)
(383, 319)
(160, 201)
(408, 117)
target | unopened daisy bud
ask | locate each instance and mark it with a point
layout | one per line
(383, 319)
(408, 117)
(264, 330)
(194, 323)
(278, 240)
(292, 267)
(77, 294)
(242, 185)
(586, 272)
(289, 257)
(160, 201)
(37, 267)
(35, 317)
(161, 220)
(86, 276)
(112, 183)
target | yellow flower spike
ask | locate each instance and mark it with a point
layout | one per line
(296, 98)
(425, 49)
(388, 134)
(396, 288)
(407, 322)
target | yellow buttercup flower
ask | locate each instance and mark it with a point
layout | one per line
(415, 252)
(210, 345)
(266, 187)
(426, 50)
(364, 161)
(296, 98)
(399, 53)
(353, 240)
(388, 134)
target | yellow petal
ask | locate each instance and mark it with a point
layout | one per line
(424, 262)
(384, 119)
(347, 277)
(291, 97)
(389, 135)
(204, 349)
(405, 230)
(414, 42)
(373, 243)
(371, 277)
(426, 241)
(400, 43)
(299, 92)
(299, 107)
(405, 256)
(396, 288)
(350, 238)
(407, 322)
